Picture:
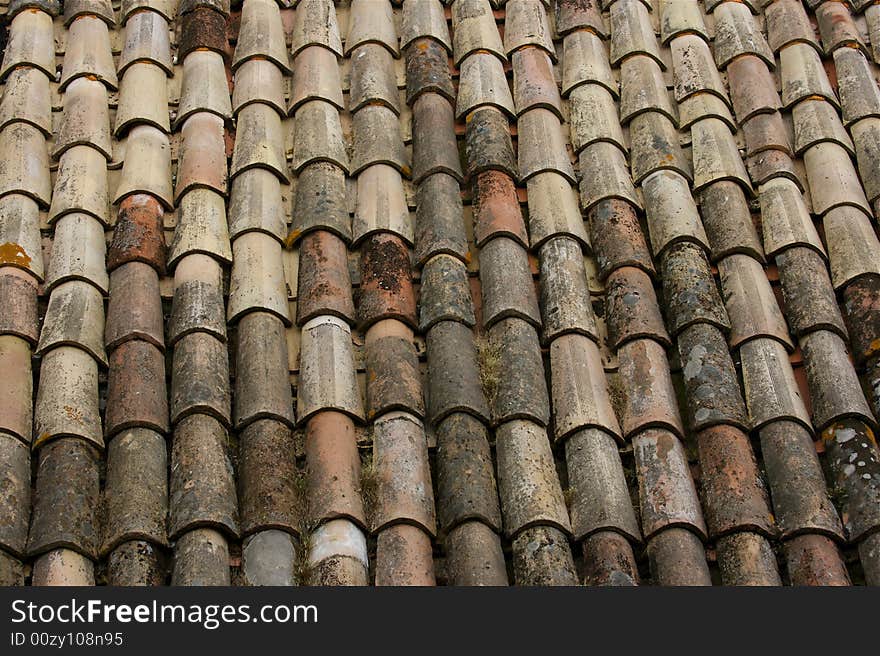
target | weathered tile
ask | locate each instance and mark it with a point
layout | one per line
(324, 285)
(600, 499)
(788, 23)
(315, 24)
(327, 375)
(453, 383)
(373, 79)
(202, 160)
(681, 18)
(533, 82)
(24, 163)
(400, 457)
(506, 281)
(604, 175)
(704, 105)
(317, 136)
(521, 389)
(146, 40)
(632, 33)
(257, 280)
(866, 134)
(487, 143)
(654, 146)
(15, 472)
(202, 484)
(553, 209)
(837, 28)
(404, 557)
(872, 18)
(771, 391)
(853, 246)
(642, 89)
(585, 60)
(261, 35)
(750, 302)
(785, 219)
(525, 25)
(690, 294)
(139, 233)
(767, 132)
(579, 15)
(267, 478)
(565, 298)
(593, 117)
(527, 482)
(676, 556)
(143, 98)
(752, 88)
(631, 309)
(789, 456)
(136, 396)
(147, 166)
(166, 8)
(859, 95)
(201, 227)
(769, 164)
(204, 87)
(445, 293)
(31, 43)
(667, 496)
(803, 76)
(542, 557)
(88, 53)
(439, 225)
(315, 77)
(815, 560)
(393, 378)
(711, 387)
(578, 388)
(481, 83)
(807, 293)
(542, 145)
(259, 142)
(734, 496)
(338, 555)
(66, 498)
(427, 70)
(424, 19)
(86, 118)
(203, 29)
(27, 99)
(386, 290)
(649, 398)
(201, 558)
(816, 121)
(197, 307)
(371, 22)
(860, 304)
(716, 156)
(67, 398)
(320, 202)
(19, 293)
(381, 204)
(672, 213)
(833, 179)
(73, 9)
(78, 252)
(135, 309)
(136, 491)
(736, 33)
(200, 378)
(617, 238)
(16, 392)
(694, 69)
(258, 81)
(835, 391)
(465, 475)
(473, 28)
(256, 204)
(75, 317)
(20, 232)
(262, 383)
(435, 149)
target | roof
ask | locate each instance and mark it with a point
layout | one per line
(538, 292)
